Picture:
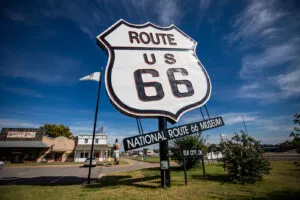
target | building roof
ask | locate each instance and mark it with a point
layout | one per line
(88, 147)
(23, 144)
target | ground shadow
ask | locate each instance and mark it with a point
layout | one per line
(113, 181)
(46, 180)
(172, 169)
(279, 195)
(222, 178)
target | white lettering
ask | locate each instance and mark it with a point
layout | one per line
(136, 141)
(199, 152)
(130, 143)
(203, 125)
(154, 137)
(161, 136)
(170, 133)
(218, 122)
(148, 141)
(142, 140)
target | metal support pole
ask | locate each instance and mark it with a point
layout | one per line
(207, 111)
(141, 127)
(185, 177)
(164, 154)
(203, 168)
(95, 122)
(202, 114)
(138, 125)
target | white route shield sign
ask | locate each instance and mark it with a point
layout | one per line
(153, 71)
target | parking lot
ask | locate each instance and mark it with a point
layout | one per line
(62, 175)
(47, 175)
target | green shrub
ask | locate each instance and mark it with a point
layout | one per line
(243, 158)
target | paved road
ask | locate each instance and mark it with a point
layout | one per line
(133, 165)
(62, 175)
(282, 156)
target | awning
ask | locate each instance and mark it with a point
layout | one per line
(96, 147)
(23, 144)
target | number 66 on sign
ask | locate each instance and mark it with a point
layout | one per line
(153, 71)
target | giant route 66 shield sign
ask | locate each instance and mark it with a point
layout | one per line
(153, 71)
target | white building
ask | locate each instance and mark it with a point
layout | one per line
(214, 155)
(84, 144)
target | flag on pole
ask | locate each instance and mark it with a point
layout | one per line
(101, 130)
(92, 77)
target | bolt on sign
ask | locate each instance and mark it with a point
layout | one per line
(153, 71)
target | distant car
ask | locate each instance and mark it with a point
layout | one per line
(87, 162)
(1, 164)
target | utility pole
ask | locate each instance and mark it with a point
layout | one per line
(244, 123)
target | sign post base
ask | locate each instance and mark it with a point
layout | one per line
(164, 155)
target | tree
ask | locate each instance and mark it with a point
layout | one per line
(212, 148)
(53, 130)
(285, 146)
(295, 134)
(243, 158)
(187, 142)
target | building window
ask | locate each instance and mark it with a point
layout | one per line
(86, 155)
(85, 140)
(82, 155)
(97, 141)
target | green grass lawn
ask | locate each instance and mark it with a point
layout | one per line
(148, 159)
(282, 183)
(121, 162)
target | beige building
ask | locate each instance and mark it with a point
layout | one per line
(61, 149)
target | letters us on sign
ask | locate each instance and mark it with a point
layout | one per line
(171, 133)
(153, 71)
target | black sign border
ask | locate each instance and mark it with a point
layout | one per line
(119, 105)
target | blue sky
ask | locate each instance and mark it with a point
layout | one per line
(250, 50)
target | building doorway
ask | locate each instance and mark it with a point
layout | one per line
(57, 157)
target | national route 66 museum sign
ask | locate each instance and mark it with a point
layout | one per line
(153, 71)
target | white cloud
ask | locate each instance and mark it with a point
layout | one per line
(229, 118)
(16, 123)
(88, 17)
(268, 30)
(168, 12)
(256, 18)
(203, 10)
(21, 91)
(289, 83)
(92, 17)
(273, 56)
(234, 118)
(205, 4)
(45, 68)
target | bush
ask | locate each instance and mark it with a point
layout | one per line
(187, 142)
(243, 157)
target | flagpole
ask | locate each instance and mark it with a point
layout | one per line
(95, 122)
